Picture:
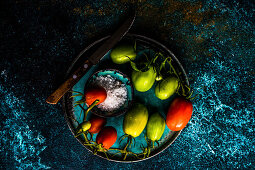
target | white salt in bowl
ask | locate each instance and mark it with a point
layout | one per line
(119, 92)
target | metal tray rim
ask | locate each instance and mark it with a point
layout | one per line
(174, 137)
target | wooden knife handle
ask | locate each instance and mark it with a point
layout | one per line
(69, 83)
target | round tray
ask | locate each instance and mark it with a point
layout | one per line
(152, 102)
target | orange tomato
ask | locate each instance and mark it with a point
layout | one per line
(179, 114)
(97, 123)
(107, 137)
(95, 93)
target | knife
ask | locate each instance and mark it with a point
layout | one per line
(92, 60)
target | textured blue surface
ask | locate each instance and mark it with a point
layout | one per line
(214, 40)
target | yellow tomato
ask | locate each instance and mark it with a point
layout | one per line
(135, 120)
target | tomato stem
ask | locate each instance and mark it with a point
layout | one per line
(157, 142)
(135, 46)
(128, 144)
(125, 152)
(86, 141)
(91, 136)
(89, 108)
(123, 137)
(79, 94)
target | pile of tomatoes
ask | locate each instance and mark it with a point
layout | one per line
(137, 118)
(169, 83)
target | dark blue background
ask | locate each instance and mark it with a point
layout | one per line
(213, 39)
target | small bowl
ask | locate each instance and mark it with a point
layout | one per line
(120, 77)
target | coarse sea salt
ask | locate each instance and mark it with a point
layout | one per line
(116, 93)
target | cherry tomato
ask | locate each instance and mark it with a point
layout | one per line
(179, 114)
(107, 137)
(97, 123)
(95, 93)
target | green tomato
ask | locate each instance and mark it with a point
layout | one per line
(143, 81)
(155, 127)
(166, 88)
(123, 53)
(135, 120)
(84, 126)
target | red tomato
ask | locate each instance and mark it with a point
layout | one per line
(179, 114)
(107, 137)
(97, 123)
(95, 93)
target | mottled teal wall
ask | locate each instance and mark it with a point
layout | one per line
(214, 40)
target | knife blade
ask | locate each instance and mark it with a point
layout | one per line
(90, 61)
